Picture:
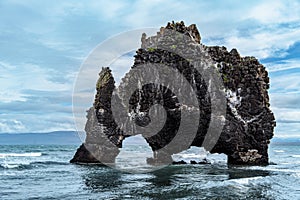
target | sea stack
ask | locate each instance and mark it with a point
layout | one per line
(248, 123)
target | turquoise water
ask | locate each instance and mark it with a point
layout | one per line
(43, 172)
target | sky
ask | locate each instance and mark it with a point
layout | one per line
(44, 43)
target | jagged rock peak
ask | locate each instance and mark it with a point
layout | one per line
(190, 31)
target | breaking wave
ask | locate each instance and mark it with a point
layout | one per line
(29, 165)
(31, 154)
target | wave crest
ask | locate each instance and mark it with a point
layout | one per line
(31, 154)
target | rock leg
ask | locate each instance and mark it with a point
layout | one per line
(250, 157)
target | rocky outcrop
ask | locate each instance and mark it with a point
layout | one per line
(249, 121)
(103, 138)
(246, 126)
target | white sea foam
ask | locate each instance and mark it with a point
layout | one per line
(279, 151)
(245, 181)
(36, 154)
(10, 166)
(191, 155)
(296, 156)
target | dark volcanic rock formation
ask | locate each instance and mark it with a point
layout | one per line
(246, 126)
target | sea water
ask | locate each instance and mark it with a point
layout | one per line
(44, 172)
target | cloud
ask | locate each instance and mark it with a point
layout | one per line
(287, 115)
(285, 100)
(9, 96)
(283, 65)
(276, 11)
(287, 130)
(21, 123)
(286, 83)
(121, 65)
(30, 77)
(272, 41)
(11, 126)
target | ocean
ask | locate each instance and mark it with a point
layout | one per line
(44, 172)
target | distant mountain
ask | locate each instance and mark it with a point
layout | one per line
(57, 137)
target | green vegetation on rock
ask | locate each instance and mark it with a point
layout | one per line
(151, 49)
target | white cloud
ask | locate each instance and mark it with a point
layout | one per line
(22, 123)
(27, 77)
(264, 43)
(11, 126)
(286, 83)
(108, 9)
(290, 100)
(275, 11)
(283, 65)
(287, 115)
(287, 130)
(9, 96)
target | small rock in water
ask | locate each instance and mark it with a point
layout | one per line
(179, 162)
(204, 161)
(193, 162)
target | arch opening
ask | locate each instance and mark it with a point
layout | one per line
(133, 154)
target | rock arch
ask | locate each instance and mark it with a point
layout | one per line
(249, 122)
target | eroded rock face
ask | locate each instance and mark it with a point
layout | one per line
(103, 138)
(248, 121)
